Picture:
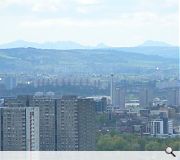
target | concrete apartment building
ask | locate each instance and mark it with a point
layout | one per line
(48, 123)
(67, 124)
(76, 124)
(146, 97)
(19, 128)
(174, 96)
(119, 97)
(87, 121)
(47, 119)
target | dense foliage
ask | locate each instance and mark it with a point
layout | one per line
(128, 142)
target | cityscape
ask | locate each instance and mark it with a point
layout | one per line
(71, 113)
(89, 75)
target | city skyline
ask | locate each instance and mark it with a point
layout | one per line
(89, 75)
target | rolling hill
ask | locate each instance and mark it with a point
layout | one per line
(82, 61)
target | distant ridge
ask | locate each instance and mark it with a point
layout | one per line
(151, 43)
(66, 45)
(85, 61)
(62, 45)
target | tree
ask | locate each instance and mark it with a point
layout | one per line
(111, 143)
(152, 146)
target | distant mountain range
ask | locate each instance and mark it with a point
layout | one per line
(61, 45)
(66, 45)
(22, 56)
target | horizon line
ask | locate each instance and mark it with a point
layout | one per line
(98, 45)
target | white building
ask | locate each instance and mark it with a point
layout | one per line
(156, 127)
(170, 127)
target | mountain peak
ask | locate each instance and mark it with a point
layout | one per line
(101, 45)
(65, 45)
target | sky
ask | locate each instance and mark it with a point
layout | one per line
(89, 22)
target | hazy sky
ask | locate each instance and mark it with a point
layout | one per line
(114, 22)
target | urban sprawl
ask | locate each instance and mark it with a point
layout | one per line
(69, 112)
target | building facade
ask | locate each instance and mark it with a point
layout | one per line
(119, 97)
(19, 128)
(87, 124)
(48, 123)
(67, 124)
(146, 97)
